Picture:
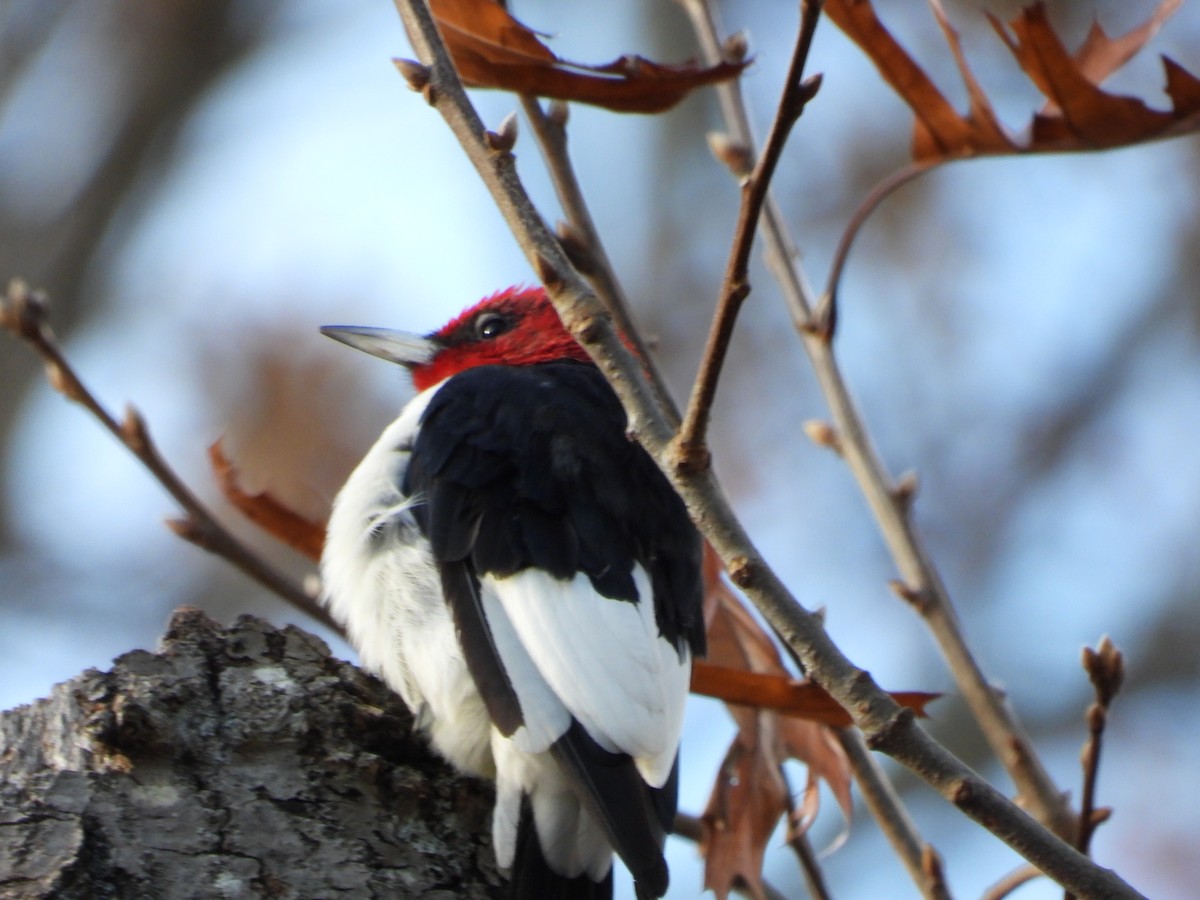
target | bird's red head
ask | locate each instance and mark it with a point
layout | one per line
(513, 327)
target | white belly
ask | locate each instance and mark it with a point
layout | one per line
(381, 584)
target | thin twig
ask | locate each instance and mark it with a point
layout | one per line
(919, 858)
(921, 580)
(889, 811)
(865, 209)
(23, 313)
(797, 838)
(551, 133)
(691, 450)
(887, 727)
(1010, 882)
(814, 876)
(1105, 667)
(780, 248)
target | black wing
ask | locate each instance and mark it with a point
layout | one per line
(530, 467)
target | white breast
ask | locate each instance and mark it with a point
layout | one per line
(381, 584)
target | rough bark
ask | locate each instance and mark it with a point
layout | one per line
(239, 762)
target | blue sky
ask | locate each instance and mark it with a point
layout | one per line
(313, 188)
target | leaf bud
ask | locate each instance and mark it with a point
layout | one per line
(736, 156)
(576, 247)
(823, 435)
(504, 138)
(736, 47)
(416, 74)
(558, 112)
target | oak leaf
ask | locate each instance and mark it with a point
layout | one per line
(491, 49)
(1078, 115)
(301, 534)
(800, 698)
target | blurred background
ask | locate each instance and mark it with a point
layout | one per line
(200, 185)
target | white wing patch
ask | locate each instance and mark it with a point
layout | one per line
(605, 661)
(545, 715)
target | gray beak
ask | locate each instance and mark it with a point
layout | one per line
(400, 347)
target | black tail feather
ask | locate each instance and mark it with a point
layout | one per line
(632, 814)
(533, 879)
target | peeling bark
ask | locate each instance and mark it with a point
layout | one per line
(239, 762)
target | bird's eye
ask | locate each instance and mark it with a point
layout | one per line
(492, 325)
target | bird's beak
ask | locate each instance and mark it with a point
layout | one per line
(395, 346)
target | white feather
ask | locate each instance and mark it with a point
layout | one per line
(389, 598)
(546, 716)
(571, 840)
(605, 660)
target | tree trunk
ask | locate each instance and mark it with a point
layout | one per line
(240, 762)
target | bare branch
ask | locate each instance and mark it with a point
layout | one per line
(887, 808)
(865, 209)
(23, 313)
(691, 450)
(797, 838)
(551, 133)
(886, 725)
(1105, 667)
(814, 321)
(919, 858)
(1010, 882)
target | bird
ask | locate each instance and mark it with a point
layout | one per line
(524, 576)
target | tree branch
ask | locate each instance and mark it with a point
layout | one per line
(551, 133)
(920, 859)
(814, 321)
(241, 761)
(924, 864)
(1010, 882)
(861, 214)
(886, 725)
(1105, 667)
(810, 865)
(691, 447)
(23, 313)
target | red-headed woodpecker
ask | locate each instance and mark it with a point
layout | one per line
(527, 580)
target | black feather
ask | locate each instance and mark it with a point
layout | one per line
(625, 806)
(461, 588)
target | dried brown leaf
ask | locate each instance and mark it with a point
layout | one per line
(301, 534)
(750, 794)
(492, 49)
(1100, 55)
(742, 812)
(1079, 115)
(1182, 87)
(798, 698)
(986, 130)
(826, 761)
